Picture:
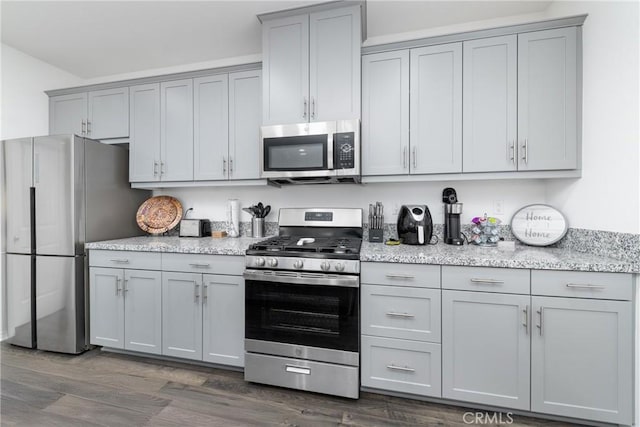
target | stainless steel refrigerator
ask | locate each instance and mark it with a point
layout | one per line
(60, 192)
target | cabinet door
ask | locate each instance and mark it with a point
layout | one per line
(244, 124)
(223, 319)
(182, 315)
(285, 64)
(143, 311)
(334, 64)
(176, 132)
(144, 138)
(108, 113)
(436, 109)
(547, 99)
(385, 113)
(106, 302)
(581, 359)
(490, 101)
(68, 114)
(211, 127)
(485, 348)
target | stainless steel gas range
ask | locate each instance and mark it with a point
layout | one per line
(302, 303)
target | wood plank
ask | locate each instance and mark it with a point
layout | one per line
(86, 410)
(34, 397)
(17, 413)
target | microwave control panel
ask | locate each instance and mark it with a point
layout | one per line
(344, 150)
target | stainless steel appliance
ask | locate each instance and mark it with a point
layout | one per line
(452, 212)
(195, 228)
(61, 191)
(316, 152)
(415, 226)
(302, 310)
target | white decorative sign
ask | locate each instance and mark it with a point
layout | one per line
(539, 225)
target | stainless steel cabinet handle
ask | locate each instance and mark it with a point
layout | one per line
(488, 281)
(525, 151)
(230, 165)
(541, 314)
(84, 127)
(304, 107)
(224, 166)
(313, 107)
(196, 292)
(120, 260)
(205, 293)
(585, 286)
(395, 314)
(512, 151)
(526, 319)
(117, 287)
(155, 168)
(200, 264)
(297, 369)
(124, 288)
(400, 368)
(88, 127)
(161, 168)
(398, 276)
(415, 157)
(404, 157)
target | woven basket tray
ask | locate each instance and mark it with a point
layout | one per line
(159, 214)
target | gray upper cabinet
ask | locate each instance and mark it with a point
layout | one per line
(176, 132)
(100, 114)
(490, 104)
(143, 311)
(311, 67)
(182, 315)
(547, 99)
(211, 127)
(244, 124)
(436, 109)
(385, 113)
(581, 359)
(144, 140)
(485, 348)
(68, 114)
(108, 113)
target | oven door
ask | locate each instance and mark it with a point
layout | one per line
(303, 309)
(299, 150)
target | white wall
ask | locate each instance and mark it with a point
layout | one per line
(24, 111)
(607, 197)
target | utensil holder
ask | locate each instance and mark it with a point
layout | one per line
(257, 227)
(376, 235)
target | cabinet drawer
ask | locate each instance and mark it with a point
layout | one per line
(486, 279)
(396, 274)
(399, 365)
(125, 259)
(401, 312)
(195, 263)
(582, 284)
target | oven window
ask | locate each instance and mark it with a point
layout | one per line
(294, 153)
(311, 315)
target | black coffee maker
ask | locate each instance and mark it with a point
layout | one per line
(452, 211)
(415, 226)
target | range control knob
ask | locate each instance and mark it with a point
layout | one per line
(339, 267)
(273, 262)
(325, 266)
(298, 264)
(260, 262)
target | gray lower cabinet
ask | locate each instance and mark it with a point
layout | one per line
(485, 348)
(126, 309)
(581, 359)
(182, 315)
(223, 319)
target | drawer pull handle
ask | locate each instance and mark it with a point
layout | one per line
(120, 260)
(394, 314)
(488, 281)
(297, 369)
(201, 265)
(399, 276)
(400, 368)
(576, 285)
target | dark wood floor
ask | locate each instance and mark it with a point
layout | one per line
(107, 389)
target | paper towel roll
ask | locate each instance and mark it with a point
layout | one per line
(233, 218)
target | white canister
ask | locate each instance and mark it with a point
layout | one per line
(233, 218)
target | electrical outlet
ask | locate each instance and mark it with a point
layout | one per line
(498, 207)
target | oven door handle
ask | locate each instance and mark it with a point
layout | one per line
(303, 278)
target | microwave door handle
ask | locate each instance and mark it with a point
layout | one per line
(331, 137)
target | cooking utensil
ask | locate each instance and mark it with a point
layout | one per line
(249, 210)
(267, 209)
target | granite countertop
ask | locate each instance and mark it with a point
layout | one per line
(469, 255)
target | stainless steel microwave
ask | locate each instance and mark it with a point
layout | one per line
(305, 153)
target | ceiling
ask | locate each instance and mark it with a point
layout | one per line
(99, 38)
